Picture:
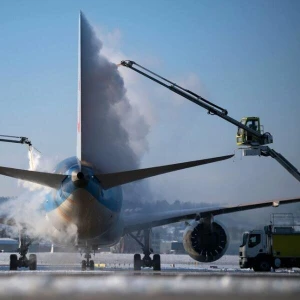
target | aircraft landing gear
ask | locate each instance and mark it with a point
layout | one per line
(146, 261)
(13, 262)
(23, 261)
(87, 262)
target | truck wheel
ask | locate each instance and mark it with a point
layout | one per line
(265, 266)
(256, 268)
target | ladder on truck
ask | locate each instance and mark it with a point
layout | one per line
(249, 134)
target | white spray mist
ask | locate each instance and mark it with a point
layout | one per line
(114, 133)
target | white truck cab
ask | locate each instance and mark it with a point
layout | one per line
(273, 247)
(254, 245)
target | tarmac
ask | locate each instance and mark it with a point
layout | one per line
(113, 278)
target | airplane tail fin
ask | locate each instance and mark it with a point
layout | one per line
(78, 147)
(114, 179)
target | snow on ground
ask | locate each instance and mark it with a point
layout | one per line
(219, 280)
(126, 260)
(86, 286)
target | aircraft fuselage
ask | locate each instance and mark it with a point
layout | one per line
(82, 202)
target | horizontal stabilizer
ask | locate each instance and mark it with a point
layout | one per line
(46, 179)
(114, 179)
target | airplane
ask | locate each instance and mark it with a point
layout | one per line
(87, 198)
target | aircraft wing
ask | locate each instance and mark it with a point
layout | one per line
(141, 221)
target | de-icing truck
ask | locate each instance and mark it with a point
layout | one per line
(276, 246)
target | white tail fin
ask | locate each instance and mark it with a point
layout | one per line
(78, 150)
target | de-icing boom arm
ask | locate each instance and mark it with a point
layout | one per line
(211, 108)
(259, 148)
(16, 139)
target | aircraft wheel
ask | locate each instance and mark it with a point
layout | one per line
(13, 262)
(83, 265)
(156, 262)
(137, 262)
(32, 262)
(92, 265)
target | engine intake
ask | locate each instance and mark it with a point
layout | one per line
(205, 242)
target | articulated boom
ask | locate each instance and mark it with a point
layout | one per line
(250, 133)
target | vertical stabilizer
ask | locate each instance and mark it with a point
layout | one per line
(103, 108)
(78, 150)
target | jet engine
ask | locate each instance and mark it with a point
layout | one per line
(205, 241)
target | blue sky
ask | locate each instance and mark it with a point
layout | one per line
(242, 55)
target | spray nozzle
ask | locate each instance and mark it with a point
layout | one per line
(25, 140)
(127, 63)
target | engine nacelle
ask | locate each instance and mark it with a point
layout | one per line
(205, 241)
